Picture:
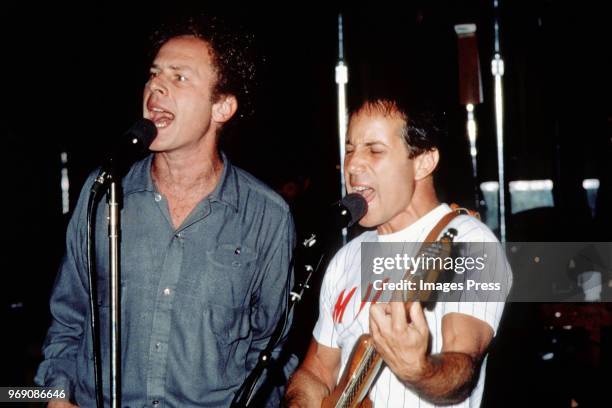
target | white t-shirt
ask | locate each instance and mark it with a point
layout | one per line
(343, 317)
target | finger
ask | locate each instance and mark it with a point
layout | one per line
(377, 313)
(375, 332)
(399, 322)
(418, 317)
(380, 319)
(374, 329)
(379, 339)
(387, 308)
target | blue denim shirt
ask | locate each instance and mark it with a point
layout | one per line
(198, 302)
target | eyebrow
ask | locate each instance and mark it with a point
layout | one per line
(180, 68)
(174, 67)
(367, 143)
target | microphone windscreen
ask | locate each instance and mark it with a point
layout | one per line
(142, 132)
(356, 205)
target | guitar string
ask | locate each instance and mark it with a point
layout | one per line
(355, 382)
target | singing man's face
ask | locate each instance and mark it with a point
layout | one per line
(178, 97)
(377, 166)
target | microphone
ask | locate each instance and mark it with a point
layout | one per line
(134, 142)
(349, 210)
(124, 151)
(344, 213)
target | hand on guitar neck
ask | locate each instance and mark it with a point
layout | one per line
(401, 340)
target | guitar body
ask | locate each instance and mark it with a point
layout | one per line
(366, 403)
(334, 399)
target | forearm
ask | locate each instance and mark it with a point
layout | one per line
(446, 378)
(305, 389)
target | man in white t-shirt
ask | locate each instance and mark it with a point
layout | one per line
(438, 358)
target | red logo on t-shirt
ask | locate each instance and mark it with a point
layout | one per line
(368, 294)
(342, 302)
(341, 305)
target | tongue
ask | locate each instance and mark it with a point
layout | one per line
(163, 122)
(162, 119)
(367, 193)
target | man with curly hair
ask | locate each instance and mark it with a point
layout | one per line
(205, 246)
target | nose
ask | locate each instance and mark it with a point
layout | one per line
(156, 85)
(353, 164)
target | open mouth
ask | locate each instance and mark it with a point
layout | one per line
(365, 191)
(160, 117)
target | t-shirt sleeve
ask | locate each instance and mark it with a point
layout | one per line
(488, 312)
(324, 331)
(486, 305)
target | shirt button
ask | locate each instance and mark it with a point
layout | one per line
(167, 291)
(158, 346)
(156, 402)
(158, 197)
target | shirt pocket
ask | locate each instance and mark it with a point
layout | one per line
(230, 278)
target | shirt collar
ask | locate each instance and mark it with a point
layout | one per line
(226, 190)
(414, 232)
(139, 179)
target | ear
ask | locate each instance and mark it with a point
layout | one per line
(426, 163)
(224, 108)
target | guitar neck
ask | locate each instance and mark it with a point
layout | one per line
(362, 378)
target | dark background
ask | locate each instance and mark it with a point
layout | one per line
(73, 78)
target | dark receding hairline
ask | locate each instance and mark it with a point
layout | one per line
(384, 107)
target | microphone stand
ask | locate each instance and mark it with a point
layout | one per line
(341, 81)
(106, 181)
(92, 278)
(497, 69)
(114, 234)
(470, 93)
(244, 395)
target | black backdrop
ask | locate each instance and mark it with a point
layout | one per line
(73, 77)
